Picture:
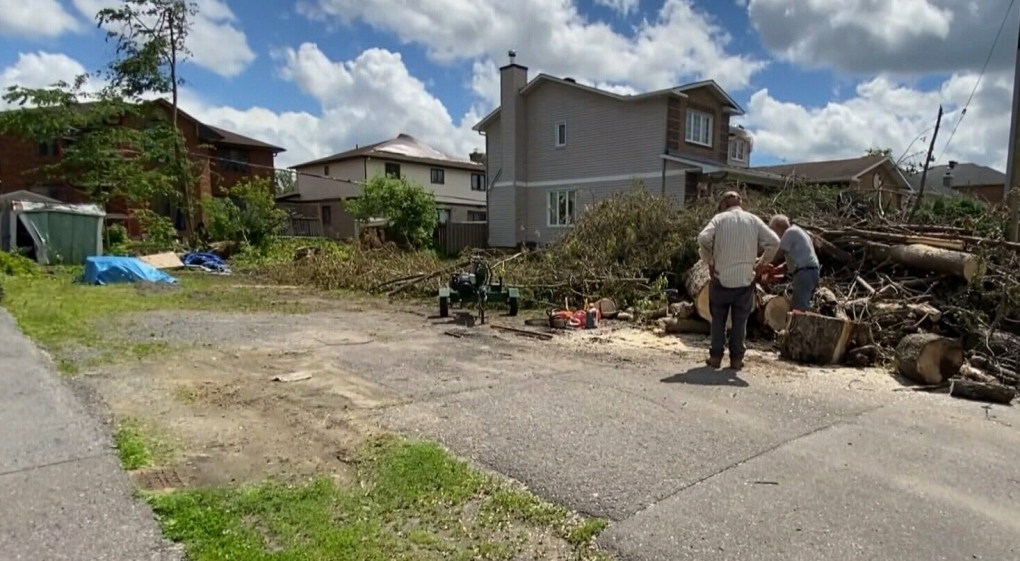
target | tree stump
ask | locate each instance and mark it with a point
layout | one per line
(980, 391)
(816, 339)
(774, 312)
(928, 359)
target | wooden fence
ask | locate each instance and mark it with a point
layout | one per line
(453, 237)
(302, 227)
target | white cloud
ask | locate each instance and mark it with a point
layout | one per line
(680, 44)
(622, 7)
(215, 40)
(368, 99)
(885, 113)
(39, 70)
(35, 19)
(907, 37)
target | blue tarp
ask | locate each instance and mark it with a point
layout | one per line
(207, 262)
(113, 270)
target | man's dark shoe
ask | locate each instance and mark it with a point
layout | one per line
(714, 362)
(736, 364)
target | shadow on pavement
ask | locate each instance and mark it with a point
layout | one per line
(705, 376)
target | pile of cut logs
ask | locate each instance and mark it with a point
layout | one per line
(892, 297)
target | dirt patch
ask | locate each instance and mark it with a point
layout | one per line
(231, 421)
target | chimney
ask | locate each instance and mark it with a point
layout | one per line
(477, 157)
(512, 118)
(569, 79)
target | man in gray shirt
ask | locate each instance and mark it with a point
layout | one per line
(796, 246)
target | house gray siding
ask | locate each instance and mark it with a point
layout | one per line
(501, 199)
(536, 225)
(605, 137)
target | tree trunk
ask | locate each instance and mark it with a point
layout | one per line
(932, 259)
(814, 339)
(979, 391)
(928, 359)
(774, 312)
(687, 326)
(696, 282)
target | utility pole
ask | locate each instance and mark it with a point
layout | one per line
(1012, 190)
(927, 162)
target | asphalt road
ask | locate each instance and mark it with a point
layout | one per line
(691, 465)
(63, 495)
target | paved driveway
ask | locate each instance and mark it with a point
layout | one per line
(62, 494)
(689, 464)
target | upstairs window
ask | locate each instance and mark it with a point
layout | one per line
(236, 160)
(393, 170)
(699, 128)
(560, 134)
(48, 149)
(477, 182)
(737, 150)
(438, 176)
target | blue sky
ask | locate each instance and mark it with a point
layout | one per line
(318, 76)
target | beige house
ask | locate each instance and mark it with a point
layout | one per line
(554, 147)
(458, 185)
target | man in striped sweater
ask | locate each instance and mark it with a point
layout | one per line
(731, 244)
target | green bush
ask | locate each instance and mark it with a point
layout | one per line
(248, 216)
(158, 232)
(410, 209)
(14, 265)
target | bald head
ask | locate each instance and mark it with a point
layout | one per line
(779, 224)
(729, 200)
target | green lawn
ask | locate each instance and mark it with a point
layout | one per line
(56, 312)
(412, 501)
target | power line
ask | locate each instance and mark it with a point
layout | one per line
(988, 59)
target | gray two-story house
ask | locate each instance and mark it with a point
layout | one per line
(554, 147)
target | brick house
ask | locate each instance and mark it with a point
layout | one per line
(224, 158)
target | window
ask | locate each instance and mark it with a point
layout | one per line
(325, 171)
(327, 215)
(48, 149)
(560, 134)
(236, 160)
(737, 150)
(477, 182)
(444, 215)
(561, 207)
(699, 128)
(438, 176)
(392, 170)
(476, 216)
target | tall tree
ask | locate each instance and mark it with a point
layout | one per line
(151, 44)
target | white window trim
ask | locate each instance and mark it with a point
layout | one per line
(556, 134)
(710, 120)
(571, 207)
(738, 148)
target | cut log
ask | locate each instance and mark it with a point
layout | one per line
(979, 391)
(691, 326)
(967, 266)
(815, 339)
(683, 310)
(774, 312)
(929, 359)
(696, 282)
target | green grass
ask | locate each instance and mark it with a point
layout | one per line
(137, 447)
(58, 313)
(412, 501)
